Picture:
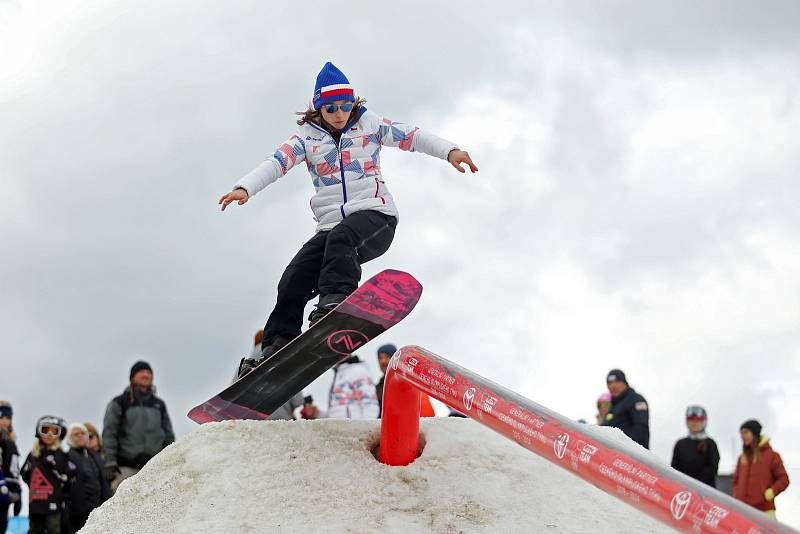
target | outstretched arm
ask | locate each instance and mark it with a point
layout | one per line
(289, 154)
(411, 138)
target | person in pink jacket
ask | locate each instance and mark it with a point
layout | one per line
(340, 142)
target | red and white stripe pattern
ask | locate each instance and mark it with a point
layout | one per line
(339, 89)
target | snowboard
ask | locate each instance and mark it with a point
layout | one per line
(378, 304)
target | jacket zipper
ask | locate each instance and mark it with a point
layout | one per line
(341, 165)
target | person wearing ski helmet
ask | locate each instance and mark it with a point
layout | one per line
(10, 492)
(48, 472)
(760, 475)
(603, 405)
(697, 454)
(340, 142)
(629, 411)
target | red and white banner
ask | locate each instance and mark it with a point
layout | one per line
(654, 488)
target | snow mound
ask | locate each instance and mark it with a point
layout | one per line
(320, 476)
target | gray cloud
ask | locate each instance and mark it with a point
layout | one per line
(635, 205)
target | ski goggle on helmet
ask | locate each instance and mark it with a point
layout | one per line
(696, 413)
(51, 425)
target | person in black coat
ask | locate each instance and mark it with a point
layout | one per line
(10, 493)
(385, 353)
(629, 411)
(90, 488)
(48, 473)
(697, 455)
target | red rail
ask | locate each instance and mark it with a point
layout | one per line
(632, 476)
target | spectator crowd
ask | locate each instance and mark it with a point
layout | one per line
(72, 468)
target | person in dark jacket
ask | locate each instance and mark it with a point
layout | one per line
(697, 455)
(760, 475)
(90, 488)
(136, 426)
(385, 353)
(48, 473)
(629, 411)
(10, 493)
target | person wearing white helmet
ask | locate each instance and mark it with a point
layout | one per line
(697, 454)
(48, 473)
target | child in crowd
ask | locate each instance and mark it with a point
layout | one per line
(48, 473)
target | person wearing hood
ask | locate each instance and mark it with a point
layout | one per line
(136, 426)
(10, 492)
(629, 411)
(90, 488)
(340, 141)
(760, 475)
(48, 472)
(697, 455)
(352, 394)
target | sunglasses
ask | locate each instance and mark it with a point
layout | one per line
(47, 430)
(333, 108)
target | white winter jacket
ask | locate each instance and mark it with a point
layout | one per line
(347, 176)
(353, 393)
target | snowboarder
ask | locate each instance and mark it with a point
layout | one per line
(697, 455)
(340, 142)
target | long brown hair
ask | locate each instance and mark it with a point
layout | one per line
(315, 115)
(752, 453)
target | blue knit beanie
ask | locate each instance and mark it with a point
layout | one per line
(6, 410)
(332, 85)
(387, 349)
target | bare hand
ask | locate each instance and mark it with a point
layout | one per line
(238, 194)
(457, 157)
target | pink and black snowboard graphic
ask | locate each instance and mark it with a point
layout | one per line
(378, 304)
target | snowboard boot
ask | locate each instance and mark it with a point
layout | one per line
(324, 306)
(248, 364)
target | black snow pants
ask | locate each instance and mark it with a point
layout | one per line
(329, 263)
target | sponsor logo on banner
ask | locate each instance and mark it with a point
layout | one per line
(346, 341)
(488, 404)
(394, 362)
(412, 364)
(586, 451)
(560, 445)
(714, 516)
(680, 503)
(469, 398)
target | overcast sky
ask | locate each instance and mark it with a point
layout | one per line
(636, 205)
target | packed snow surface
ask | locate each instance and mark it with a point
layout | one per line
(320, 476)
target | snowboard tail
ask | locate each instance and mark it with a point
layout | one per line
(377, 305)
